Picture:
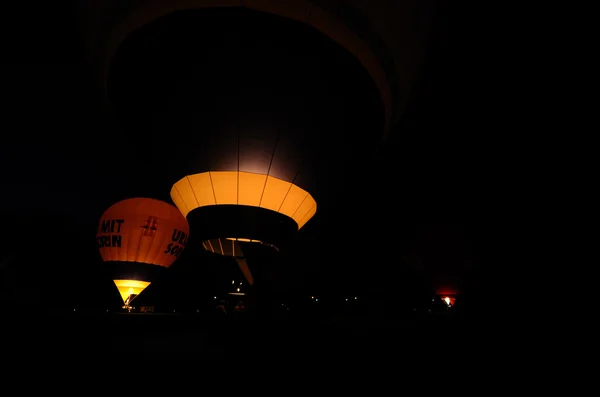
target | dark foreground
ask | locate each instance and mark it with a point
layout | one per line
(210, 336)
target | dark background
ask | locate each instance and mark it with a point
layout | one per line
(442, 190)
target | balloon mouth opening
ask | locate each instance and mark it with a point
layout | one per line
(129, 290)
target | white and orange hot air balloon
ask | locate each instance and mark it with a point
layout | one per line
(138, 239)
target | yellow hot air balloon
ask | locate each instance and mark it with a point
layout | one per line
(138, 239)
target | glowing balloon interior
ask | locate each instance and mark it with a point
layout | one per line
(129, 289)
(233, 247)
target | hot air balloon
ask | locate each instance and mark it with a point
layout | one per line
(138, 239)
(254, 112)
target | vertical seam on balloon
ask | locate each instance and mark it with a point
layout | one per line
(193, 191)
(187, 209)
(270, 164)
(274, 150)
(300, 205)
(285, 197)
(294, 180)
(299, 170)
(262, 194)
(306, 214)
(153, 259)
(149, 259)
(146, 256)
(159, 248)
(212, 187)
(140, 239)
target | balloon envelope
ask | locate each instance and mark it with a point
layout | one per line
(138, 237)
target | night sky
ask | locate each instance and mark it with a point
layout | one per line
(436, 194)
